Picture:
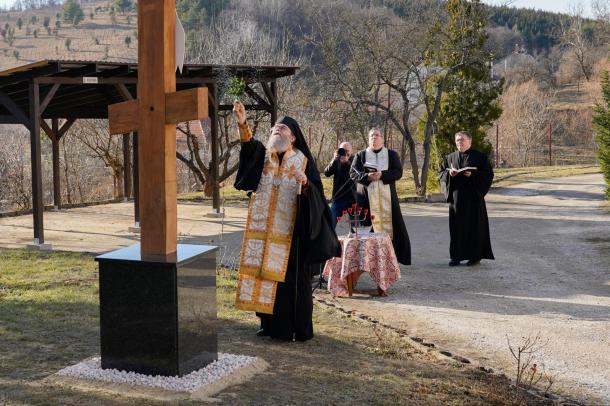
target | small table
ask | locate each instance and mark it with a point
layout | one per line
(372, 253)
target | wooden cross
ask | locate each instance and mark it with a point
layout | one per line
(154, 114)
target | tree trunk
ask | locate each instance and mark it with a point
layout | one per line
(413, 159)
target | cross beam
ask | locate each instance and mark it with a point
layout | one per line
(182, 106)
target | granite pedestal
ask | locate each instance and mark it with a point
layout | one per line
(158, 317)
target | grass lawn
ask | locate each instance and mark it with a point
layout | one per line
(405, 187)
(49, 320)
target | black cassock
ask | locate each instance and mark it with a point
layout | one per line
(313, 242)
(468, 221)
(400, 239)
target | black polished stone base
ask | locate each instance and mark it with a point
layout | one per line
(158, 317)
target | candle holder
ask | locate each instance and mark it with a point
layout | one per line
(355, 214)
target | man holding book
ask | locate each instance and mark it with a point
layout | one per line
(466, 177)
(375, 171)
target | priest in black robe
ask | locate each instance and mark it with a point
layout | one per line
(465, 192)
(376, 170)
(312, 241)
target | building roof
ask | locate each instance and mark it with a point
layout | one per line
(84, 89)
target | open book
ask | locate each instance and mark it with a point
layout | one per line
(370, 167)
(467, 168)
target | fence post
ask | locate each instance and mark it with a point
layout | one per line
(550, 144)
(497, 145)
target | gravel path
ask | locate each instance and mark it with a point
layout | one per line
(551, 276)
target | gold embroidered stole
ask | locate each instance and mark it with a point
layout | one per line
(268, 234)
(380, 195)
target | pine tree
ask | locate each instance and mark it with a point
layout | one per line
(471, 101)
(601, 122)
(123, 5)
(73, 12)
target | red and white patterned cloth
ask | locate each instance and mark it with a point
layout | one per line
(372, 253)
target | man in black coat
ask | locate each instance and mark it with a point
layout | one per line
(375, 171)
(466, 177)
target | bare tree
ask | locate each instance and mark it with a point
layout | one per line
(575, 39)
(367, 54)
(94, 135)
(525, 120)
(15, 183)
(365, 51)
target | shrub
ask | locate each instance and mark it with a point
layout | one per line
(601, 122)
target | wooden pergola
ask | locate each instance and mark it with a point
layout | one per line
(40, 94)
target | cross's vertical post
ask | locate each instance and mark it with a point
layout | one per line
(172, 333)
(156, 78)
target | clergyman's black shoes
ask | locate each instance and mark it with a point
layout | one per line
(473, 262)
(454, 262)
(262, 333)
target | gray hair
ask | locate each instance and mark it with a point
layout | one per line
(374, 129)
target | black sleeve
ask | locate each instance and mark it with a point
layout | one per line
(250, 168)
(394, 171)
(331, 169)
(319, 238)
(483, 176)
(357, 172)
(444, 178)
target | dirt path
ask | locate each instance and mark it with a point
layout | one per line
(551, 276)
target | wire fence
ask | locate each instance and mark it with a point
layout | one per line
(560, 155)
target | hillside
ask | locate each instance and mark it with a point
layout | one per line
(97, 38)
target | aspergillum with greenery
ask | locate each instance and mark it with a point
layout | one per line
(601, 123)
(237, 88)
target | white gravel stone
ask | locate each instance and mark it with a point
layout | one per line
(226, 365)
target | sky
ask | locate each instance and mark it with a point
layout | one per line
(559, 6)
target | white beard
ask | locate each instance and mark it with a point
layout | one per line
(278, 144)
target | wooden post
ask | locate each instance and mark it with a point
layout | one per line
(56, 174)
(126, 168)
(156, 78)
(36, 166)
(136, 179)
(275, 103)
(213, 92)
(497, 146)
(385, 130)
(550, 144)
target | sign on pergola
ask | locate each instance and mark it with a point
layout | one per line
(154, 115)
